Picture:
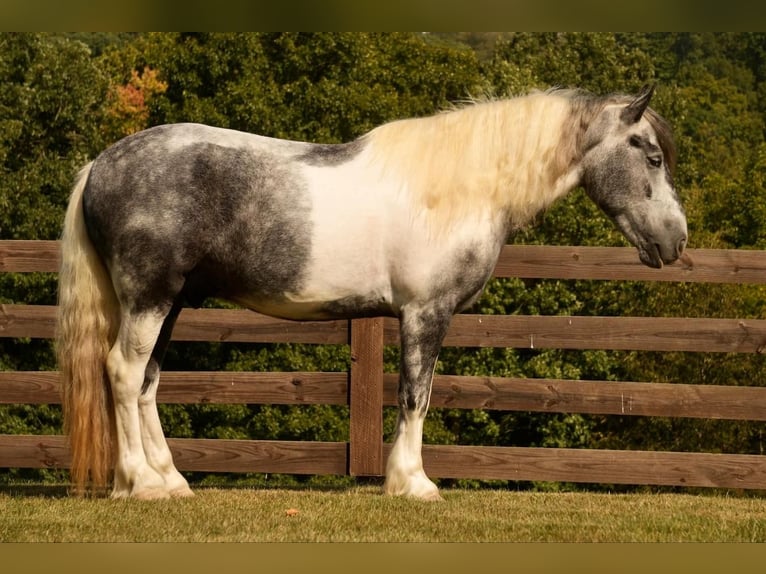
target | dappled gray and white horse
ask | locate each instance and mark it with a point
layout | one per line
(407, 221)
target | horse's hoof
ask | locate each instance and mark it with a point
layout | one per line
(432, 497)
(183, 492)
(428, 492)
(150, 494)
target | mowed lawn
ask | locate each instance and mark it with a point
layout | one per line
(364, 514)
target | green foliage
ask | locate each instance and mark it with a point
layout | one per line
(57, 110)
(590, 61)
(308, 86)
(50, 93)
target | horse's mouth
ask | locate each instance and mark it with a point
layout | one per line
(648, 251)
(656, 255)
(649, 254)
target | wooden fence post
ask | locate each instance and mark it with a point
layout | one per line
(366, 398)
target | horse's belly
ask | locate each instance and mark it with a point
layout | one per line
(345, 287)
(342, 279)
(331, 302)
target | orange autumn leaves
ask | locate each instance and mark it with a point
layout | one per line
(128, 110)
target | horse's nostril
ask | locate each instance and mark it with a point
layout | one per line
(681, 245)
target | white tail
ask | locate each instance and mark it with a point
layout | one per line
(88, 319)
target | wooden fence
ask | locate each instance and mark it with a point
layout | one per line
(366, 389)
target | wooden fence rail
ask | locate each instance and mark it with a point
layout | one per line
(366, 389)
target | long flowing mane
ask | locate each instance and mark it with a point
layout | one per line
(494, 154)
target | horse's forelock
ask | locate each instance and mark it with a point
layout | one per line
(665, 138)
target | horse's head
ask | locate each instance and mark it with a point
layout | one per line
(628, 166)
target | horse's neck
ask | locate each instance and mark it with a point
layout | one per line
(527, 194)
(535, 152)
(505, 157)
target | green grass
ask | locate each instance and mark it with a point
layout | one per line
(363, 514)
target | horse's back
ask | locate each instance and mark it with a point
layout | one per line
(200, 208)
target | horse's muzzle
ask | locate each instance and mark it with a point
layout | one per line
(656, 254)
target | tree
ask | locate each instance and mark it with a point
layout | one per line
(128, 110)
(591, 61)
(325, 87)
(50, 93)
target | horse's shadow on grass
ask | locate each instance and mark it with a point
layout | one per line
(35, 490)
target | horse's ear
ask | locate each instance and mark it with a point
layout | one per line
(635, 109)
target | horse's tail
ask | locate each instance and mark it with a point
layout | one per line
(88, 318)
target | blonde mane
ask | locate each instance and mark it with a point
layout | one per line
(488, 157)
(485, 158)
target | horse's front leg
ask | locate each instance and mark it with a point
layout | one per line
(422, 330)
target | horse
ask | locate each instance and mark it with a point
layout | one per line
(406, 221)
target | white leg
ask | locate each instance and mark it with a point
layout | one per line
(404, 470)
(422, 330)
(156, 449)
(126, 364)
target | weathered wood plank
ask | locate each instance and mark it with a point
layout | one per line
(289, 457)
(194, 387)
(293, 388)
(615, 333)
(440, 461)
(34, 321)
(450, 391)
(233, 325)
(28, 256)
(595, 466)
(30, 388)
(366, 398)
(622, 263)
(34, 451)
(208, 455)
(592, 397)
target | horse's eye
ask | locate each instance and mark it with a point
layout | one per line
(655, 161)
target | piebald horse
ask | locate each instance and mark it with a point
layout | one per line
(406, 221)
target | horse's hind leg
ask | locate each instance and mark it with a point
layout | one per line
(126, 364)
(156, 449)
(422, 330)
